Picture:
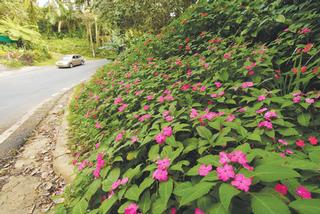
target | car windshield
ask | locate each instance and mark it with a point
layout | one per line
(66, 58)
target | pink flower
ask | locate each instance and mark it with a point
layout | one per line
(185, 87)
(296, 99)
(206, 65)
(169, 118)
(96, 172)
(131, 209)
(198, 211)
(165, 113)
(261, 110)
(118, 100)
(124, 181)
(247, 84)
(224, 158)
(173, 210)
(300, 143)
(230, 118)
(303, 192)
(98, 125)
(238, 157)
(160, 138)
(82, 165)
(288, 151)
(242, 110)
(261, 98)
(283, 142)
(193, 113)
(149, 97)
(116, 184)
(269, 115)
(163, 164)
(122, 107)
(282, 189)
(203, 88)
(161, 99)
(241, 182)
(304, 30)
(146, 107)
(178, 62)
(204, 170)
(225, 172)
(218, 84)
(227, 55)
(266, 124)
(97, 145)
(134, 139)
(160, 175)
(313, 140)
(309, 100)
(167, 131)
(119, 137)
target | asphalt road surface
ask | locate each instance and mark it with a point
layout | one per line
(21, 91)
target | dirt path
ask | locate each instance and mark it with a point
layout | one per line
(27, 179)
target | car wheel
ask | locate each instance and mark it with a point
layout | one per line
(82, 62)
(71, 65)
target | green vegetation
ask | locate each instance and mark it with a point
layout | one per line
(218, 113)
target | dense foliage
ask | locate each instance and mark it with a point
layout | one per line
(219, 113)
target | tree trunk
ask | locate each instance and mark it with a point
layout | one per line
(59, 26)
(91, 40)
(96, 30)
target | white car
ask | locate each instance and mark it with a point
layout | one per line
(69, 61)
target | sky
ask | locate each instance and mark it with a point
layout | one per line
(42, 2)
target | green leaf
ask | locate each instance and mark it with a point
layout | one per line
(210, 159)
(107, 204)
(145, 202)
(254, 136)
(154, 152)
(270, 173)
(280, 18)
(92, 189)
(268, 204)
(130, 173)
(80, 207)
(315, 156)
(147, 182)
(226, 193)
(133, 193)
(304, 119)
(195, 192)
(310, 206)
(218, 209)
(204, 132)
(112, 177)
(165, 191)
(288, 132)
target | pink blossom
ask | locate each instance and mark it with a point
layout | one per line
(98, 125)
(161, 99)
(269, 115)
(218, 84)
(185, 87)
(116, 184)
(167, 131)
(118, 100)
(149, 97)
(131, 209)
(210, 116)
(96, 172)
(221, 93)
(241, 182)
(261, 98)
(134, 139)
(173, 210)
(266, 124)
(224, 158)
(303, 192)
(203, 88)
(227, 55)
(309, 100)
(198, 211)
(230, 118)
(288, 151)
(304, 30)
(119, 137)
(282, 189)
(225, 172)
(189, 73)
(160, 138)
(193, 113)
(178, 62)
(300, 143)
(82, 165)
(169, 118)
(238, 157)
(146, 107)
(313, 140)
(247, 84)
(261, 110)
(124, 181)
(204, 169)
(169, 98)
(296, 99)
(165, 113)
(242, 110)
(206, 65)
(122, 107)
(160, 175)
(163, 164)
(283, 142)
(97, 145)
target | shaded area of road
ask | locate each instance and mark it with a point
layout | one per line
(22, 91)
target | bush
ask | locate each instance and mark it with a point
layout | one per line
(219, 113)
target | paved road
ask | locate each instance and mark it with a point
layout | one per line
(21, 91)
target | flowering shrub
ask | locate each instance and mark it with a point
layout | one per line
(203, 119)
